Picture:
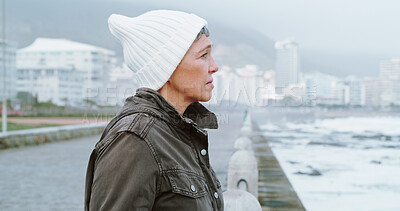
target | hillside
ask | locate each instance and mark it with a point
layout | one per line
(86, 21)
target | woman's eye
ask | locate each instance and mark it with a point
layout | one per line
(204, 55)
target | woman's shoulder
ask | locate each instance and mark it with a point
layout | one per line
(134, 123)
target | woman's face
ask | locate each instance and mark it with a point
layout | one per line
(192, 79)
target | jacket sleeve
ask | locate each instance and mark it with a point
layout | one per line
(125, 176)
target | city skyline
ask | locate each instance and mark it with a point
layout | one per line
(352, 43)
(285, 76)
(45, 69)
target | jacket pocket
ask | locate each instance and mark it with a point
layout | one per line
(185, 184)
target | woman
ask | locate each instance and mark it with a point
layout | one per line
(154, 154)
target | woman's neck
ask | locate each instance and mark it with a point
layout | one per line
(174, 98)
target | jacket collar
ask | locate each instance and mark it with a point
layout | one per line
(154, 103)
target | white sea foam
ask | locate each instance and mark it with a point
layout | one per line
(357, 173)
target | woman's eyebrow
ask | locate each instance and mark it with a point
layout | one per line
(208, 46)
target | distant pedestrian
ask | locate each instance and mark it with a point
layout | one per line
(154, 154)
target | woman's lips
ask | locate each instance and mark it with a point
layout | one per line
(210, 83)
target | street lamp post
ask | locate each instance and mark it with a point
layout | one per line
(4, 111)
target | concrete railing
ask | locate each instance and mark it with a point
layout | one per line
(255, 179)
(39, 136)
(240, 200)
(243, 170)
(242, 188)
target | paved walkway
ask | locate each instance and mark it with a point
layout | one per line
(221, 143)
(46, 177)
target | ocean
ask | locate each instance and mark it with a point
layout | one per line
(345, 163)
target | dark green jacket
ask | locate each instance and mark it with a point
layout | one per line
(153, 158)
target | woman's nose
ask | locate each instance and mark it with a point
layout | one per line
(214, 66)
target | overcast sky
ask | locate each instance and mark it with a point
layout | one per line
(349, 26)
(338, 37)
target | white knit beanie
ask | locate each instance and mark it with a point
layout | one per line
(155, 42)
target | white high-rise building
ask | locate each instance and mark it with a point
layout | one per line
(356, 92)
(268, 90)
(390, 92)
(372, 92)
(10, 64)
(390, 70)
(90, 63)
(241, 86)
(325, 89)
(390, 82)
(60, 85)
(319, 88)
(222, 83)
(123, 84)
(310, 91)
(250, 85)
(340, 93)
(287, 64)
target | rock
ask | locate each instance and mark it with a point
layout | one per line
(312, 172)
(315, 173)
(376, 162)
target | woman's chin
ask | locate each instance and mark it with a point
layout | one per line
(206, 97)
